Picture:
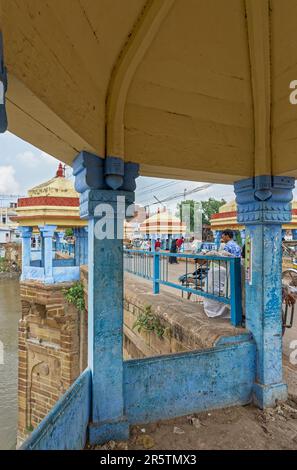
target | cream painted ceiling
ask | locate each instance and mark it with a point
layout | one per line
(194, 89)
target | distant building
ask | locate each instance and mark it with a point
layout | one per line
(132, 227)
(8, 227)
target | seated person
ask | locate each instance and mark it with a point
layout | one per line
(195, 245)
(217, 283)
(230, 245)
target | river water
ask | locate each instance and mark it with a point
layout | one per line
(10, 313)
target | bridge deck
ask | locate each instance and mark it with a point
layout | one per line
(186, 318)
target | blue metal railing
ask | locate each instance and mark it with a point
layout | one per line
(63, 247)
(213, 277)
(209, 246)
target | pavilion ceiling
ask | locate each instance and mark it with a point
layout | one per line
(195, 89)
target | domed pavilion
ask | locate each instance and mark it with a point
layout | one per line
(162, 225)
(43, 216)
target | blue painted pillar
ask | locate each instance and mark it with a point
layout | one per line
(242, 235)
(85, 246)
(106, 187)
(218, 238)
(60, 238)
(263, 206)
(26, 233)
(41, 249)
(77, 246)
(47, 233)
(294, 234)
(81, 245)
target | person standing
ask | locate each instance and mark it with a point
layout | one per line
(179, 243)
(158, 245)
(173, 249)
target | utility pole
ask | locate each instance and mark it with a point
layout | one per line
(158, 200)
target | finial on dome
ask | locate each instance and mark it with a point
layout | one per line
(60, 171)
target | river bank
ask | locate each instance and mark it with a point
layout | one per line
(10, 313)
(10, 275)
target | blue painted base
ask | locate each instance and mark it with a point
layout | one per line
(99, 433)
(164, 387)
(265, 396)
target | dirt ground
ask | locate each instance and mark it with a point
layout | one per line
(244, 427)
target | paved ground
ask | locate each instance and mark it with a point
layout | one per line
(174, 272)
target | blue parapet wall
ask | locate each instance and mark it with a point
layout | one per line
(175, 385)
(63, 273)
(156, 388)
(65, 427)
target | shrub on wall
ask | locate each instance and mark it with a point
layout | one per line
(147, 321)
(75, 295)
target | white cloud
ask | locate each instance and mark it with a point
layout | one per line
(35, 160)
(8, 182)
(27, 157)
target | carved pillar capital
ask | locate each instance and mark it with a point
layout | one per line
(93, 172)
(47, 230)
(106, 181)
(264, 199)
(26, 232)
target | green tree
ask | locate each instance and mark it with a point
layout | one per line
(210, 207)
(69, 232)
(192, 205)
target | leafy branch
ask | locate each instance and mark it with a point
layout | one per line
(75, 295)
(147, 321)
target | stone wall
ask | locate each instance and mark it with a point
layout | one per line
(184, 325)
(137, 344)
(52, 351)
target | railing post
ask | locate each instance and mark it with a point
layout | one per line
(235, 285)
(156, 275)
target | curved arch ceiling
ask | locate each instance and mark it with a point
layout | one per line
(206, 96)
(190, 100)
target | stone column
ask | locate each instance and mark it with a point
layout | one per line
(47, 232)
(84, 259)
(77, 247)
(26, 233)
(218, 238)
(263, 206)
(242, 235)
(81, 245)
(60, 238)
(106, 187)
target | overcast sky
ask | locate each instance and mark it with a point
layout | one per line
(23, 166)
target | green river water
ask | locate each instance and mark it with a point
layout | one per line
(10, 313)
